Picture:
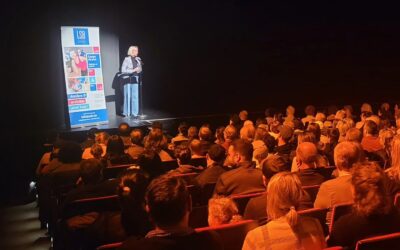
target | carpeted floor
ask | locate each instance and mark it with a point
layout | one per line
(20, 228)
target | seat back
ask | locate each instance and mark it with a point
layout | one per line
(96, 204)
(241, 200)
(319, 214)
(326, 171)
(199, 162)
(168, 165)
(115, 171)
(188, 177)
(198, 217)
(111, 246)
(195, 193)
(387, 241)
(233, 234)
(312, 191)
(338, 211)
(207, 192)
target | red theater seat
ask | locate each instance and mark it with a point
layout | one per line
(233, 234)
(381, 242)
(110, 246)
(241, 200)
(338, 211)
(319, 214)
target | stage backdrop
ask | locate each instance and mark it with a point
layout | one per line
(83, 76)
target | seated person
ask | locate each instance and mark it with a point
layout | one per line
(206, 139)
(256, 208)
(115, 153)
(373, 211)
(136, 148)
(124, 131)
(245, 178)
(215, 160)
(97, 151)
(306, 156)
(196, 149)
(286, 229)
(182, 134)
(69, 157)
(168, 204)
(183, 156)
(222, 210)
(101, 139)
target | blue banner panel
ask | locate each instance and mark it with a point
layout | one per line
(88, 117)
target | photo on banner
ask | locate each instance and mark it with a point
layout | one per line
(83, 76)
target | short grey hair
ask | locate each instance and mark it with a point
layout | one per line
(131, 48)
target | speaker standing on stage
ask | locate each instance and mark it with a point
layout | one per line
(132, 65)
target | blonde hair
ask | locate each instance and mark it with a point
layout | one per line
(394, 171)
(222, 210)
(344, 125)
(284, 194)
(130, 50)
(247, 132)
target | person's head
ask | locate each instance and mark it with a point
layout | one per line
(133, 51)
(91, 171)
(316, 129)
(306, 154)
(344, 125)
(222, 210)
(193, 132)
(219, 134)
(261, 133)
(168, 201)
(310, 110)
(183, 128)
(115, 145)
(96, 150)
(395, 153)
(70, 152)
(243, 115)
(386, 137)
(285, 133)
(247, 132)
(239, 151)
(283, 197)
(102, 138)
(290, 110)
(340, 114)
(369, 190)
(216, 153)
(366, 108)
(320, 117)
(230, 133)
(154, 140)
(157, 125)
(234, 120)
(306, 137)
(136, 136)
(196, 148)
(182, 153)
(124, 129)
(354, 134)
(132, 189)
(370, 128)
(271, 166)
(205, 134)
(260, 151)
(346, 154)
(349, 111)
(91, 133)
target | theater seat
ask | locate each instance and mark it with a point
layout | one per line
(233, 234)
(198, 217)
(241, 200)
(198, 162)
(397, 201)
(207, 192)
(110, 246)
(319, 214)
(381, 242)
(338, 211)
(167, 166)
(115, 171)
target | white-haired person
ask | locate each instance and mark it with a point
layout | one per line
(285, 229)
(132, 65)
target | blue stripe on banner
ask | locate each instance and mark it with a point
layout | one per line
(90, 116)
(79, 95)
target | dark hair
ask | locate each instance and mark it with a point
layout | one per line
(217, 153)
(183, 128)
(124, 129)
(371, 127)
(167, 198)
(136, 136)
(70, 152)
(183, 153)
(370, 194)
(244, 148)
(273, 165)
(316, 130)
(132, 188)
(91, 171)
(219, 133)
(270, 142)
(91, 133)
(115, 145)
(309, 110)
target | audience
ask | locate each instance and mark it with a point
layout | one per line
(168, 204)
(196, 149)
(124, 131)
(222, 210)
(69, 158)
(306, 157)
(230, 134)
(115, 154)
(135, 149)
(101, 139)
(286, 229)
(182, 133)
(373, 211)
(183, 156)
(90, 139)
(206, 139)
(244, 178)
(215, 160)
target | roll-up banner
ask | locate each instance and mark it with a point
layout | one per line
(83, 76)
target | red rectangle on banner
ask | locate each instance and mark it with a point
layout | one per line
(76, 101)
